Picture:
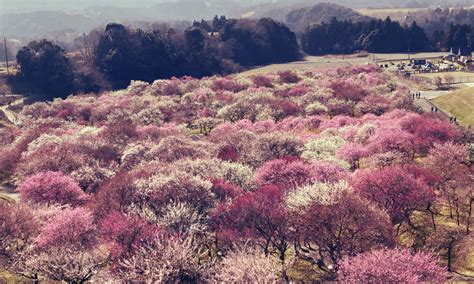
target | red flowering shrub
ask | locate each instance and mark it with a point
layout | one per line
(348, 226)
(262, 81)
(288, 76)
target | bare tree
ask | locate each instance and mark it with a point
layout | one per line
(438, 81)
(449, 80)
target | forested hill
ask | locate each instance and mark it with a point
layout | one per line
(298, 20)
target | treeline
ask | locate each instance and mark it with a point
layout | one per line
(119, 54)
(383, 36)
(338, 37)
(122, 54)
(457, 37)
(199, 51)
(441, 18)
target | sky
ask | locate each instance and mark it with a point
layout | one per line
(66, 4)
(30, 5)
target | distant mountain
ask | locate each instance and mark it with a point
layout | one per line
(44, 23)
(62, 25)
(440, 19)
(298, 20)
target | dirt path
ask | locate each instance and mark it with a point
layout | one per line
(12, 116)
(7, 194)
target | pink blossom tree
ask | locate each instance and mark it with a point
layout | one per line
(427, 131)
(18, 228)
(125, 233)
(70, 227)
(449, 162)
(391, 266)
(52, 187)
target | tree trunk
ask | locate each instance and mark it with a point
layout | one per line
(432, 216)
(469, 216)
(450, 254)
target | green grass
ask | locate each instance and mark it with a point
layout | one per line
(459, 103)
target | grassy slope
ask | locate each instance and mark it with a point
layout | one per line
(459, 103)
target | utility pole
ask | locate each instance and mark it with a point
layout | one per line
(6, 54)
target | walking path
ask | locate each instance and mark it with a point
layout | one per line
(7, 194)
(425, 104)
(12, 116)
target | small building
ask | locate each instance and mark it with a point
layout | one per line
(418, 62)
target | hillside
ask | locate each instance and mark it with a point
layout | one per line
(298, 20)
(215, 179)
(460, 104)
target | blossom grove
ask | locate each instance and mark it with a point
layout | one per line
(295, 176)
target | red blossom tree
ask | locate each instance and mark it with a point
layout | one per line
(285, 173)
(328, 232)
(395, 188)
(427, 131)
(224, 190)
(349, 89)
(125, 233)
(260, 216)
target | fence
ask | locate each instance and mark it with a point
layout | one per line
(456, 79)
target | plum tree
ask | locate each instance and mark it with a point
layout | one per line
(52, 187)
(70, 227)
(247, 266)
(396, 189)
(350, 225)
(391, 265)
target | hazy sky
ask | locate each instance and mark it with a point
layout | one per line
(28, 5)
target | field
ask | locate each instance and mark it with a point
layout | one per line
(459, 103)
(397, 14)
(337, 61)
(309, 62)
